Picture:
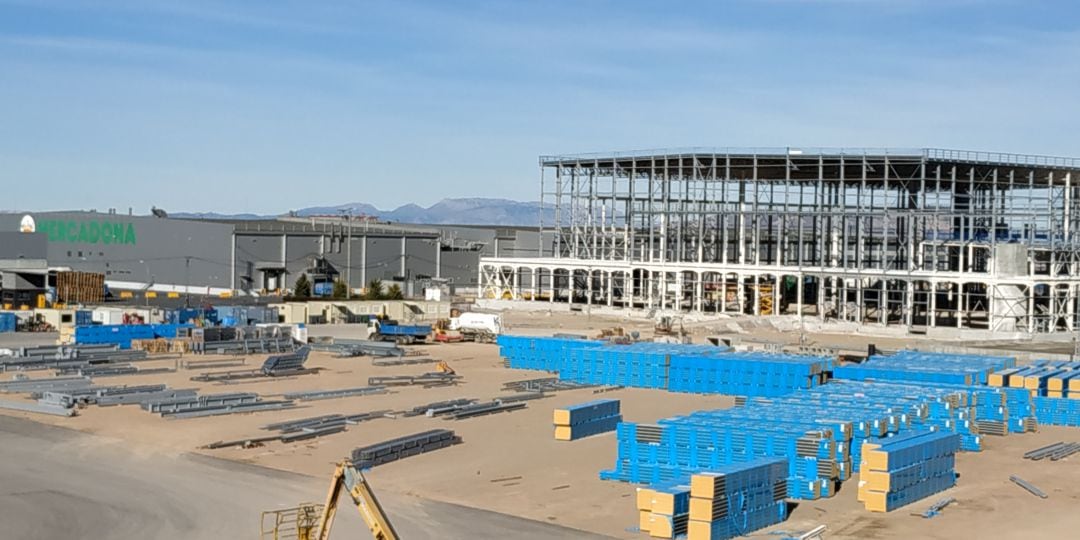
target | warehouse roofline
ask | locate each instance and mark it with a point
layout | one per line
(927, 154)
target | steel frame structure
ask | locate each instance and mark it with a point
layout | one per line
(919, 238)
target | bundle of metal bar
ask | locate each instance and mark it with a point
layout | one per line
(42, 408)
(144, 397)
(109, 371)
(544, 384)
(1065, 451)
(319, 422)
(21, 386)
(314, 395)
(1028, 486)
(438, 406)
(402, 447)
(248, 346)
(521, 396)
(218, 410)
(408, 380)
(481, 409)
(166, 406)
(240, 374)
(93, 394)
(1046, 451)
(404, 361)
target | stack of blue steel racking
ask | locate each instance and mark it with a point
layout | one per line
(902, 469)
(701, 369)
(737, 499)
(914, 366)
(586, 419)
(1057, 411)
(819, 431)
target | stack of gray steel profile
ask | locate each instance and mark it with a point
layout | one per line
(348, 348)
(425, 380)
(196, 406)
(280, 365)
(544, 384)
(60, 395)
(402, 447)
(247, 346)
(458, 409)
(1055, 452)
(304, 428)
(68, 357)
(314, 395)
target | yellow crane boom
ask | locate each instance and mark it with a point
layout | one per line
(348, 477)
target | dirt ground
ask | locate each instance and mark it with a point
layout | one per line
(510, 463)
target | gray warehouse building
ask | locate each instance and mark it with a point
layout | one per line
(256, 256)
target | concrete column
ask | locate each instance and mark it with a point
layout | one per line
(932, 315)
(757, 295)
(799, 295)
(723, 292)
(680, 286)
(610, 288)
(438, 258)
(960, 305)
(403, 257)
(909, 303)
(699, 291)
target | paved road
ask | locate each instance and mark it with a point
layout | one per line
(62, 484)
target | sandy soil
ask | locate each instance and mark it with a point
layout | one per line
(559, 480)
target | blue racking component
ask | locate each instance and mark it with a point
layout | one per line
(8, 322)
(914, 366)
(819, 431)
(735, 500)
(704, 369)
(1057, 411)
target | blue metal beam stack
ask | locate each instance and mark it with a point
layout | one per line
(1057, 411)
(819, 431)
(586, 419)
(737, 499)
(702, 369)
(902, 469)
(914, 366)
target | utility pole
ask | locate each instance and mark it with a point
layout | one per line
(348, 255)
(187, 281)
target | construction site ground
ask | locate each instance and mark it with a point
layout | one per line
(509, 479)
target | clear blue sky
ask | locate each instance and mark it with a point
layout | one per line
(262, 106)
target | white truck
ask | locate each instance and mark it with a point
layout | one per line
(480, 327)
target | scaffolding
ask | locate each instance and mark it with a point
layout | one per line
(918, 238)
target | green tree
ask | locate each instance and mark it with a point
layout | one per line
(341, 290)
(374, 290)
(394, 292)
(302, 287)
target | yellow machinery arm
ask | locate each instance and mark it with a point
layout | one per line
(352, 480)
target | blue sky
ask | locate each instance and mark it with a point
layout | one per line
(263, 106)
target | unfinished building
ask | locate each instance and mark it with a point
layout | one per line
(915, 238)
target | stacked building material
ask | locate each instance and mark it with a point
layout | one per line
(664, 509)
(285, 364)
(673, 367)
(902, 469)
(1057, 411)
(1047, 378)
(80, 287)
(819, 431)
(586, 419)
(402, 447)
(914, 366)
(737, 499)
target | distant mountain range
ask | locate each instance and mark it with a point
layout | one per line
(470, 211)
